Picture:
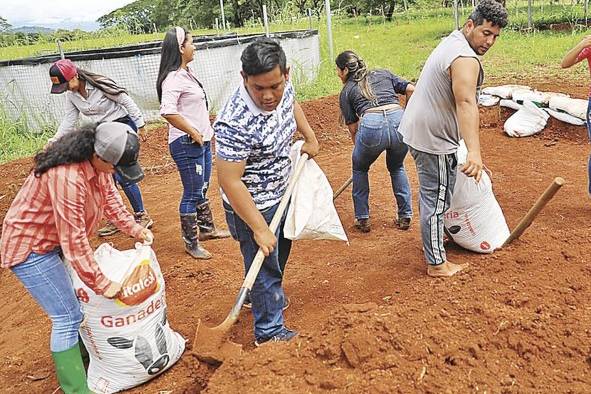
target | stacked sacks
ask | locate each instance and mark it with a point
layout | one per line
(475, 220)
(128, 338)
(530, 121)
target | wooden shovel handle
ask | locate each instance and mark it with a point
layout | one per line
(342, 188)
(535, 210)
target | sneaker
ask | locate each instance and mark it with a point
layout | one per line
(403, 223)
(362, 225)
(248, 304)
(108, 229)
(284, 335)
(143, 219)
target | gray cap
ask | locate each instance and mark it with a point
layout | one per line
(119, 145)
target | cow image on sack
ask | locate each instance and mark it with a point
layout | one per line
(128, 338)
(475, 220)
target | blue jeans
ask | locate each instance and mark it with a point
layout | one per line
(194, 165)
(131, 190)
(45, 278)
(437, 178)
(267, 291)
(133, 193)
(378, 132)
(589, 134)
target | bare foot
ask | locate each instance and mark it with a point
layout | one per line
(444, 270)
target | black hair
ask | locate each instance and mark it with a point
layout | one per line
(105, 84)
(74, 147)
(262, 56)
(491, 11)
(358, 72)
(170, 59)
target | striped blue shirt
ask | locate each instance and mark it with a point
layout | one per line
(244, 132)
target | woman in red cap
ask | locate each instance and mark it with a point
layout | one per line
(102, 100)
(50, 220)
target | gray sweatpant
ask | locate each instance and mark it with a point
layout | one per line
(437, 177)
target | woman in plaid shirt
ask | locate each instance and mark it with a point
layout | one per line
(58, 207)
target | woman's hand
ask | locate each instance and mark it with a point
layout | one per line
(196, 137)
(112, 290)
(141, 132)
(146, 236)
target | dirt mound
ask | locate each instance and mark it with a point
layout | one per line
(463, 347)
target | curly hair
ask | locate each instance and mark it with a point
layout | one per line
(74, 147)
(491, 11)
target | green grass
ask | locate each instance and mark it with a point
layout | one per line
(17, 142)
(401, 46)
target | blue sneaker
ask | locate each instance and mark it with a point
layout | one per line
(248, 304)
(284, 335)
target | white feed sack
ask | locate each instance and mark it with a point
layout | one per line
(529, 120)
(504, 91)
(128, 338)
(565, 117)
(488, 100)
(574, 107)
(537, 97)
(311, 213)
(475, 220)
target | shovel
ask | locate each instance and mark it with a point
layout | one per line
(210, 344)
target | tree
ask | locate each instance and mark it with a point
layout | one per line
(4, 25)
(137, 17)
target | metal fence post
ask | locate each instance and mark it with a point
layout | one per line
(265, 20)
(329, 29)
(456, 15)
(60, 49)
(529, 18)
(223, 16)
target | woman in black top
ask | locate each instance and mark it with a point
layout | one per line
(372, 112)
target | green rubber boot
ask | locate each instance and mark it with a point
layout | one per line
(70, 371)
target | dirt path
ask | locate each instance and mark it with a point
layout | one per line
(370, 319)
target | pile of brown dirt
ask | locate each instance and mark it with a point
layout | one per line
(369, 318)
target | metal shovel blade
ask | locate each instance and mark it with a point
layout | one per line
(212, 346)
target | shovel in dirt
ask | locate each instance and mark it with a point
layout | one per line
(210, 344)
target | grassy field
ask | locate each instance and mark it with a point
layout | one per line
(401, 46)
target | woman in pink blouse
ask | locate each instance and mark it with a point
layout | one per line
(183, 103)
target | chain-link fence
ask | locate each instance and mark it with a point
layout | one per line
(25, 83)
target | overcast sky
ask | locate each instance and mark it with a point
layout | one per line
(57, 13)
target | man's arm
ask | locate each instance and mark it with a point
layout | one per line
(311, 146)
(410, 89)
(230, 180)
(572, 57)
(464, 78)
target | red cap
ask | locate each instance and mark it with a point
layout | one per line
(60, 73)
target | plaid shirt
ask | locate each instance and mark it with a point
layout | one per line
(62, 208)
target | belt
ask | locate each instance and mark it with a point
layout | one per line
(383, 108)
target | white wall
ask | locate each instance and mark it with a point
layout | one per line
(24, 89)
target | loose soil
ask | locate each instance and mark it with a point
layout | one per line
(369, 318)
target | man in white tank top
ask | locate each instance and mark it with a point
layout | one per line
(443, 110)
